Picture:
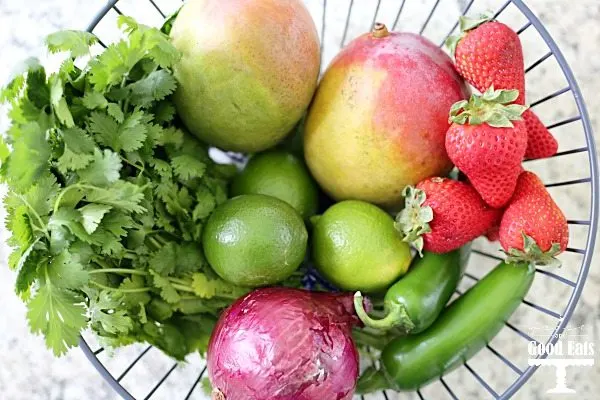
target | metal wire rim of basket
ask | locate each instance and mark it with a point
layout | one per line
(592, 223)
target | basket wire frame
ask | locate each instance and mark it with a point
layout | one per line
(562, 318)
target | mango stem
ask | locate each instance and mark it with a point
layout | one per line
(380, 30)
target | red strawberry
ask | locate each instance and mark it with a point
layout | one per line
(493, 234)
(442, 214)
(533, 228)
(487, 141)
(489, 53)
(540, 142)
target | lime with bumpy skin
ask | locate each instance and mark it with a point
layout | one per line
(356, 247)
(279, 174)
(254, 240)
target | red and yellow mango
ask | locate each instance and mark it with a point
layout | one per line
(379, 117)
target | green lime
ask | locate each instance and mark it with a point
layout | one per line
(254, 240)
(282, 175)
(356, 247)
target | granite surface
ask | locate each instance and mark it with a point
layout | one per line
(29, 371)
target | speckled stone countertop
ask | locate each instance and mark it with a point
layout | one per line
(29, 372)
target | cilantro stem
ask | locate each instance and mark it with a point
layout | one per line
(155, 242)
(102, 263)
(119, 271)
(180, 281)
(183, 288)
(138, 290)
(124, 159)
(62, 193)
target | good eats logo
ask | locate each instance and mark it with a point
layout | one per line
(572, 349)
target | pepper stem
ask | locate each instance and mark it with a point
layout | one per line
(372, 380)
(396, 316)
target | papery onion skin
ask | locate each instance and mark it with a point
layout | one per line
(285, 344)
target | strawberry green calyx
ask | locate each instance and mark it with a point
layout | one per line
(413, 221)
(465, 24)
(493, 107)
(532, 254)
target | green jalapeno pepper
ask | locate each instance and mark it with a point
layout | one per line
(415, 301)
(464, 328)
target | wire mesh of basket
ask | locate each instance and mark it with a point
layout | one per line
(571, 176)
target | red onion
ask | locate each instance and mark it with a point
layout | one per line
(285, 344)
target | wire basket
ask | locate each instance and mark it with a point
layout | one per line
(141, 372)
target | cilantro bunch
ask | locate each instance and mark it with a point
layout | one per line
(107, 198)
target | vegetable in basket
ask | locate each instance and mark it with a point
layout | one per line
(415, 301)
(285, 344)
(107, 198)
(464, 328)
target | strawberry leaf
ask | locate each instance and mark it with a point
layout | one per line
(532, 254)
(413, 221)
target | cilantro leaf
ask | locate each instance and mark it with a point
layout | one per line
(164, 260)
(37, 89)
(57, 313)
(164, 112)
(103, 170)
(127, 136)
(117, 223)
(206, 203)
(93, 100)
(167, 291)
(40, 197)
(154, 87)
(132, 132)
(66, 273)
(188, 167)
(105, 128)
(28, 268)
(207, 288)
(29, 158)
(115, 111)
(77, 43)
(133, 299)
(92, 214)
(189, 258)
(78, 152)
(122, 195)
(4, 151)
(105, 311)
(59, 103)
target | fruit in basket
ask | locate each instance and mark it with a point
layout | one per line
(533, 228)
(378, 121)
(463, 328)
(285, 344)
(415, 301)
(254, 240)
(356, 247)
(441, 214)
(487, 141)
(489, 53)
(279, 174)
(540, 142)
(248, 71)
